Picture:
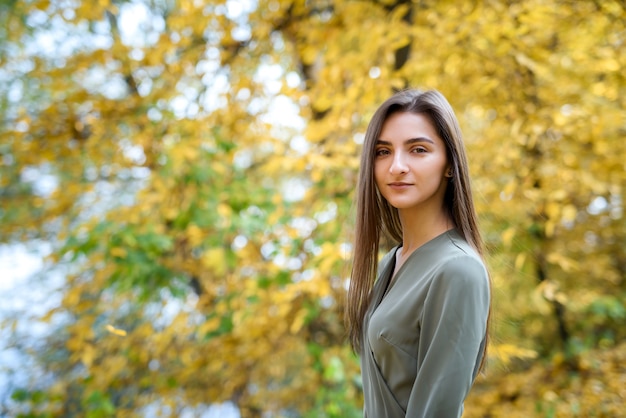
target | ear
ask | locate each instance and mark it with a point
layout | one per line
(449, 172)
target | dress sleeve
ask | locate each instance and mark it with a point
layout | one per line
(452, 338)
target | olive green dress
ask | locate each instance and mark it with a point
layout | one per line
(424, 333)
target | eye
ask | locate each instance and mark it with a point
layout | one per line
(381, 151)
(419, 150)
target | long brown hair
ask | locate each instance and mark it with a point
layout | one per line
(376, 219)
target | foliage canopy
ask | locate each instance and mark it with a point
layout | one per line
(194, 163)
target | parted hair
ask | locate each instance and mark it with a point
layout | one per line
(377, 220)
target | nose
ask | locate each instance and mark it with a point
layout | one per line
(398, 164)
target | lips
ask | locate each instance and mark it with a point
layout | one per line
(399, 185)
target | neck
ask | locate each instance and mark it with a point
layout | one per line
(420, 226)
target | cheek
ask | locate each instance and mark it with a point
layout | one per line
(441, 167)
(378, 173)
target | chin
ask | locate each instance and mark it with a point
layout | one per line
(401, 205)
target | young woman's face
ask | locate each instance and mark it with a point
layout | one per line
(410, 163)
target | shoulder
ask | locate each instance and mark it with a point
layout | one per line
(460, 263)
(460, 282)
(463, 269)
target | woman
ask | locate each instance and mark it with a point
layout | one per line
(421, 326)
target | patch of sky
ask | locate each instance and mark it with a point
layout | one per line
(188, 90)
(209, 65)
(217, 86)
(277, 41)
(268, 250)
(293, 79)
(374, 72)
(612, 206)
(294, 189)
(8, 159)
(243, 159)
(346, 250)
(139, 27)
(328, 214)
(42, 181)
(597, 206)
(358, 138)
(56, 39)
(304, 226)
(241, 33)
(567, 110)
(154, 114)
(115, 87)
(133, 152)
(326, 302)
(310, 247)
(22, 126)
(145, 86)
(239, 242)
(184, 108)
(219, 410)
(28, 290)
(304, 276)
(290, 263)
(284, 112)
(269, 75)
(16, 91)
(162, 313)
(299, 144)
(238, 11)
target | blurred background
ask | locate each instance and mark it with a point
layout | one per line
(176, 203)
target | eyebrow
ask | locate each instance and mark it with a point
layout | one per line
(408, 141)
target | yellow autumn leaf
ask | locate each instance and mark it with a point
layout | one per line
(88, 355)
(569, 213)
(115, 331)
(118, 252)
(195, 235)
(520, 259)
(298, 321)
(214, 260)
(507, 236)
(552, 210)
(549, 228)
(566, 263)
(507, 352)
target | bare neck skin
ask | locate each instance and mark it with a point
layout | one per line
(420, 226)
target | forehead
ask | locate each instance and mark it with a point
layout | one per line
(400, 126)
